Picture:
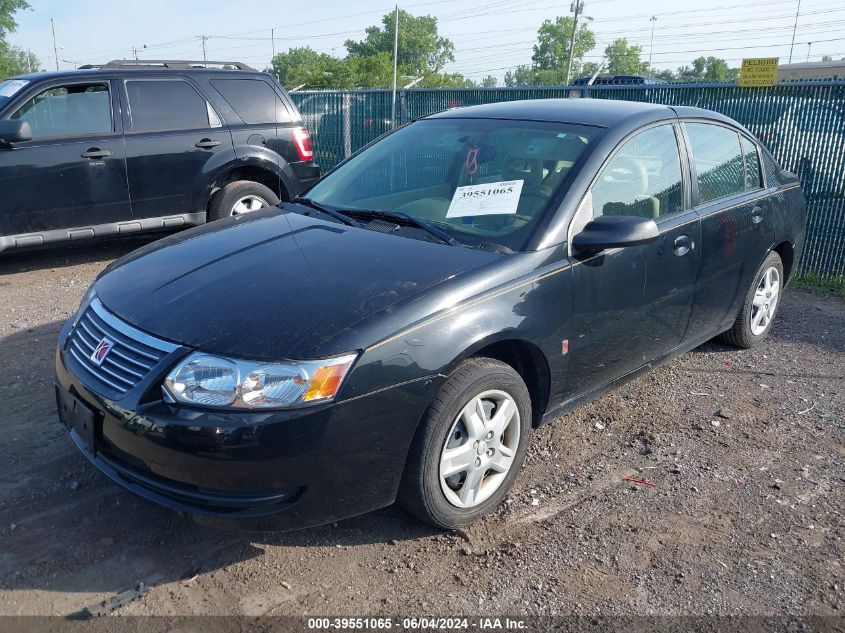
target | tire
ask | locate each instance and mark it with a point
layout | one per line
(422, 492)
(225, 202)
(749, 330)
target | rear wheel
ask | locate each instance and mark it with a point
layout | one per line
(241, 197)
(470, 445)
(758, 311)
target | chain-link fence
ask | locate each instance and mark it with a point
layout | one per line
(802, 123)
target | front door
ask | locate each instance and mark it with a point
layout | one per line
(174, 139)
(73, 171)
(632, 305)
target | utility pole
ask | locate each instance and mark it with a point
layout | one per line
(204, 57)
(576, 7)
(651, 46)
(809, 46)
(55, 48)
(395, 66)
(794, 28)
(273, 44)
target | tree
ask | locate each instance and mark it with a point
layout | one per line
(551, 52)
(520, 76)
(708, 69)
(827, 58)
(489, 82)
(624, 58)
(421, 48)
(306, 66)
(13, 60)
(16, 61)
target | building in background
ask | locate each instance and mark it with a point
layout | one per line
(812, 70)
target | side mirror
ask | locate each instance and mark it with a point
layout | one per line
(15, 131)
(615, 231)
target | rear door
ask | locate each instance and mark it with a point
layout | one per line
(632, 305)
(175, 140)
(73, 171)
(737, 221)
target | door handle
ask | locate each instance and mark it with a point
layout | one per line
(207, 143)
(96, 152)
(757, 215)
(683, 245)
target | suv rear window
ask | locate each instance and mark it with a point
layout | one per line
(165, 105)
(254, 100)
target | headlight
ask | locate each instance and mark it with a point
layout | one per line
(213, 381)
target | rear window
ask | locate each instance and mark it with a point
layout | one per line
(254, 100)
(718, 161)
(166, 105)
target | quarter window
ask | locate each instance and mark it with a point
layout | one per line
(643, 178)
(166, 105)
(73, 110)
(753, 179)
(718, 162)
(254, 100)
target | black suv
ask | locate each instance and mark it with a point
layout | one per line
(140, 145)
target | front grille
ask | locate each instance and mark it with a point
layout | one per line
(132, 355)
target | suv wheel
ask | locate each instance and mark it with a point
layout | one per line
(240, 197)
(470, 445)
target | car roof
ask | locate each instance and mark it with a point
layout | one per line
(94, 72)
(596, 112)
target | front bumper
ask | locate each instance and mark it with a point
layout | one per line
(277, 470)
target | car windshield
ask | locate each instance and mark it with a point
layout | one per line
(481, 181)
(9, 89)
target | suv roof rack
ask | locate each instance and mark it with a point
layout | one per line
(180, 64)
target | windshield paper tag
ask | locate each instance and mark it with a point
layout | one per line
(9, 88)
(495, 198)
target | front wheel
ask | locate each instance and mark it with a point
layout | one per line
(470, 445)
(758, 311)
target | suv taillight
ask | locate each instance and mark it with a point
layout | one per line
(302, 141)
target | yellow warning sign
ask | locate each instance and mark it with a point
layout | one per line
(759, 71)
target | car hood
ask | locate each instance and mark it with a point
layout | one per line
(273, 285)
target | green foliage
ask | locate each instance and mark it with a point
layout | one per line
(369, 63)
(8, 8)
(820, 284)
(707, 69)
(624, 58)
(16, 61)
(827, 58)
(551, 52)
(421, 48)
(489, 82)
(13, 60)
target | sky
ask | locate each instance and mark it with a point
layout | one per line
(490, 36)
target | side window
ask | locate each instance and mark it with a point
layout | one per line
(254, 100)
(643, 178)
(166, 105)
(718, 162)
(73, 110)
(753, 179)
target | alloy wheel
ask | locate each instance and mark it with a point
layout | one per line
(479, 449)
(248, 204)
(765, 301)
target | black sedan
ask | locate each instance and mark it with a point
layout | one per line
(399, 332)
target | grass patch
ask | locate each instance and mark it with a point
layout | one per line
(820, 284)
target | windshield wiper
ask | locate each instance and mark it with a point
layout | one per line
(337, 215)
(404, 218)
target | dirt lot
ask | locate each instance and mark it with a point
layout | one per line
(746, 451)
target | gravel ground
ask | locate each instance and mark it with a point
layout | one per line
(746, 450)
